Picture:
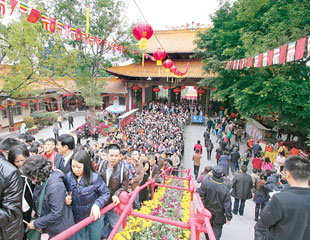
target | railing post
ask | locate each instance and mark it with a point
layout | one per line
(152, 185)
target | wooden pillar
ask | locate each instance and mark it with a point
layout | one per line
(58, 104)
(143, 96)
(107, 101)
(76, 103)
(37, 105)
(207, 106)
(127, 101)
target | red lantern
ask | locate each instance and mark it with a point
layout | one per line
(164, 87)
(48, 100)
(183, 87)
(135, 88)
(214, 88)
(142, 32)
(168, 64)
(178, 72)
(173, 69)
(196, 87)
(23, 104)
(177, 91)
(159, 55)
(156, 90)
(200, 92)
(113, 98)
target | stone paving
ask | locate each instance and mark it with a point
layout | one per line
(240, 228)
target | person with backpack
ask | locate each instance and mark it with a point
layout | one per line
(87, 194)
(261, 194)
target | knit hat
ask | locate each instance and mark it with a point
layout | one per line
(217, 171)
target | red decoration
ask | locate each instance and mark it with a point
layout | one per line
(1, 108)
(159, 55)
(156, 90)
(142, 32)
(183, 87)
(48, 100)
(177, 90)
(23, 104)
(214, 88)
(113, 98)
(200, 91)
(164, 87)
(67, 95)
(196, 87)
(233, 115)
(168, 64)
(135, 88)
(173, 69)
(33, 16)
(222, 108)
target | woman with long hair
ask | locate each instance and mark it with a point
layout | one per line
(17, 156)
(87, 194)
(261, 194)
(54, 216)
(144, 193)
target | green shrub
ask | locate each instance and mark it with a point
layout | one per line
(45, 118)
(29, 122)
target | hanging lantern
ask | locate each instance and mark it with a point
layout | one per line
(47, 100)
(135, 88)
(156, 90)
(167, 64)
(200, 92)
(196, 87)
(183, 87)
(159, 55)
(142, 32)
(164, 87)
(23, 104)
(177, 91)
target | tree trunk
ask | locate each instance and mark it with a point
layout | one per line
(92, 113)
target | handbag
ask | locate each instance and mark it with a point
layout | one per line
(35, 234)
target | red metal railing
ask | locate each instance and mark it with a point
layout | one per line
(199, 220)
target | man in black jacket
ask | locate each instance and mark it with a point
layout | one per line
(65, 146)
(70, 120)
(286, 216)
(11, 190)
(241, 189)
(216, 198)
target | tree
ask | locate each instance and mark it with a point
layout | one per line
(249, 27)
(107, 22)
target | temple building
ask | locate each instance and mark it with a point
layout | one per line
(140, 80)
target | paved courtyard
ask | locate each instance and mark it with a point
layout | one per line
(240, 228)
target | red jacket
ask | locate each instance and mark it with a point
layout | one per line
(257, 163)
(199, 147)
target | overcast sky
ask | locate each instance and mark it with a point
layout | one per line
(162, 13)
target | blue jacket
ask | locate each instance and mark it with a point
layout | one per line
(83, 198)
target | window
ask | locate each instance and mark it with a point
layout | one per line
(16, 111)
(122, 101)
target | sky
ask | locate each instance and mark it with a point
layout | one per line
(172, 13)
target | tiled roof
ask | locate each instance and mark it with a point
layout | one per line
(173, 41)
(113, 85)
(151, 70)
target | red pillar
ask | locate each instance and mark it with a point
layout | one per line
(37, 105)
(58, 104)
(107, 101)
(127, 102)
(76, 103)
(143, 96)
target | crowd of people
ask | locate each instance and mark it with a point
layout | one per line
(288, 175)
(53, 183)
(50, 184)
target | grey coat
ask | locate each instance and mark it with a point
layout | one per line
(56, 216)
(241, 186)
